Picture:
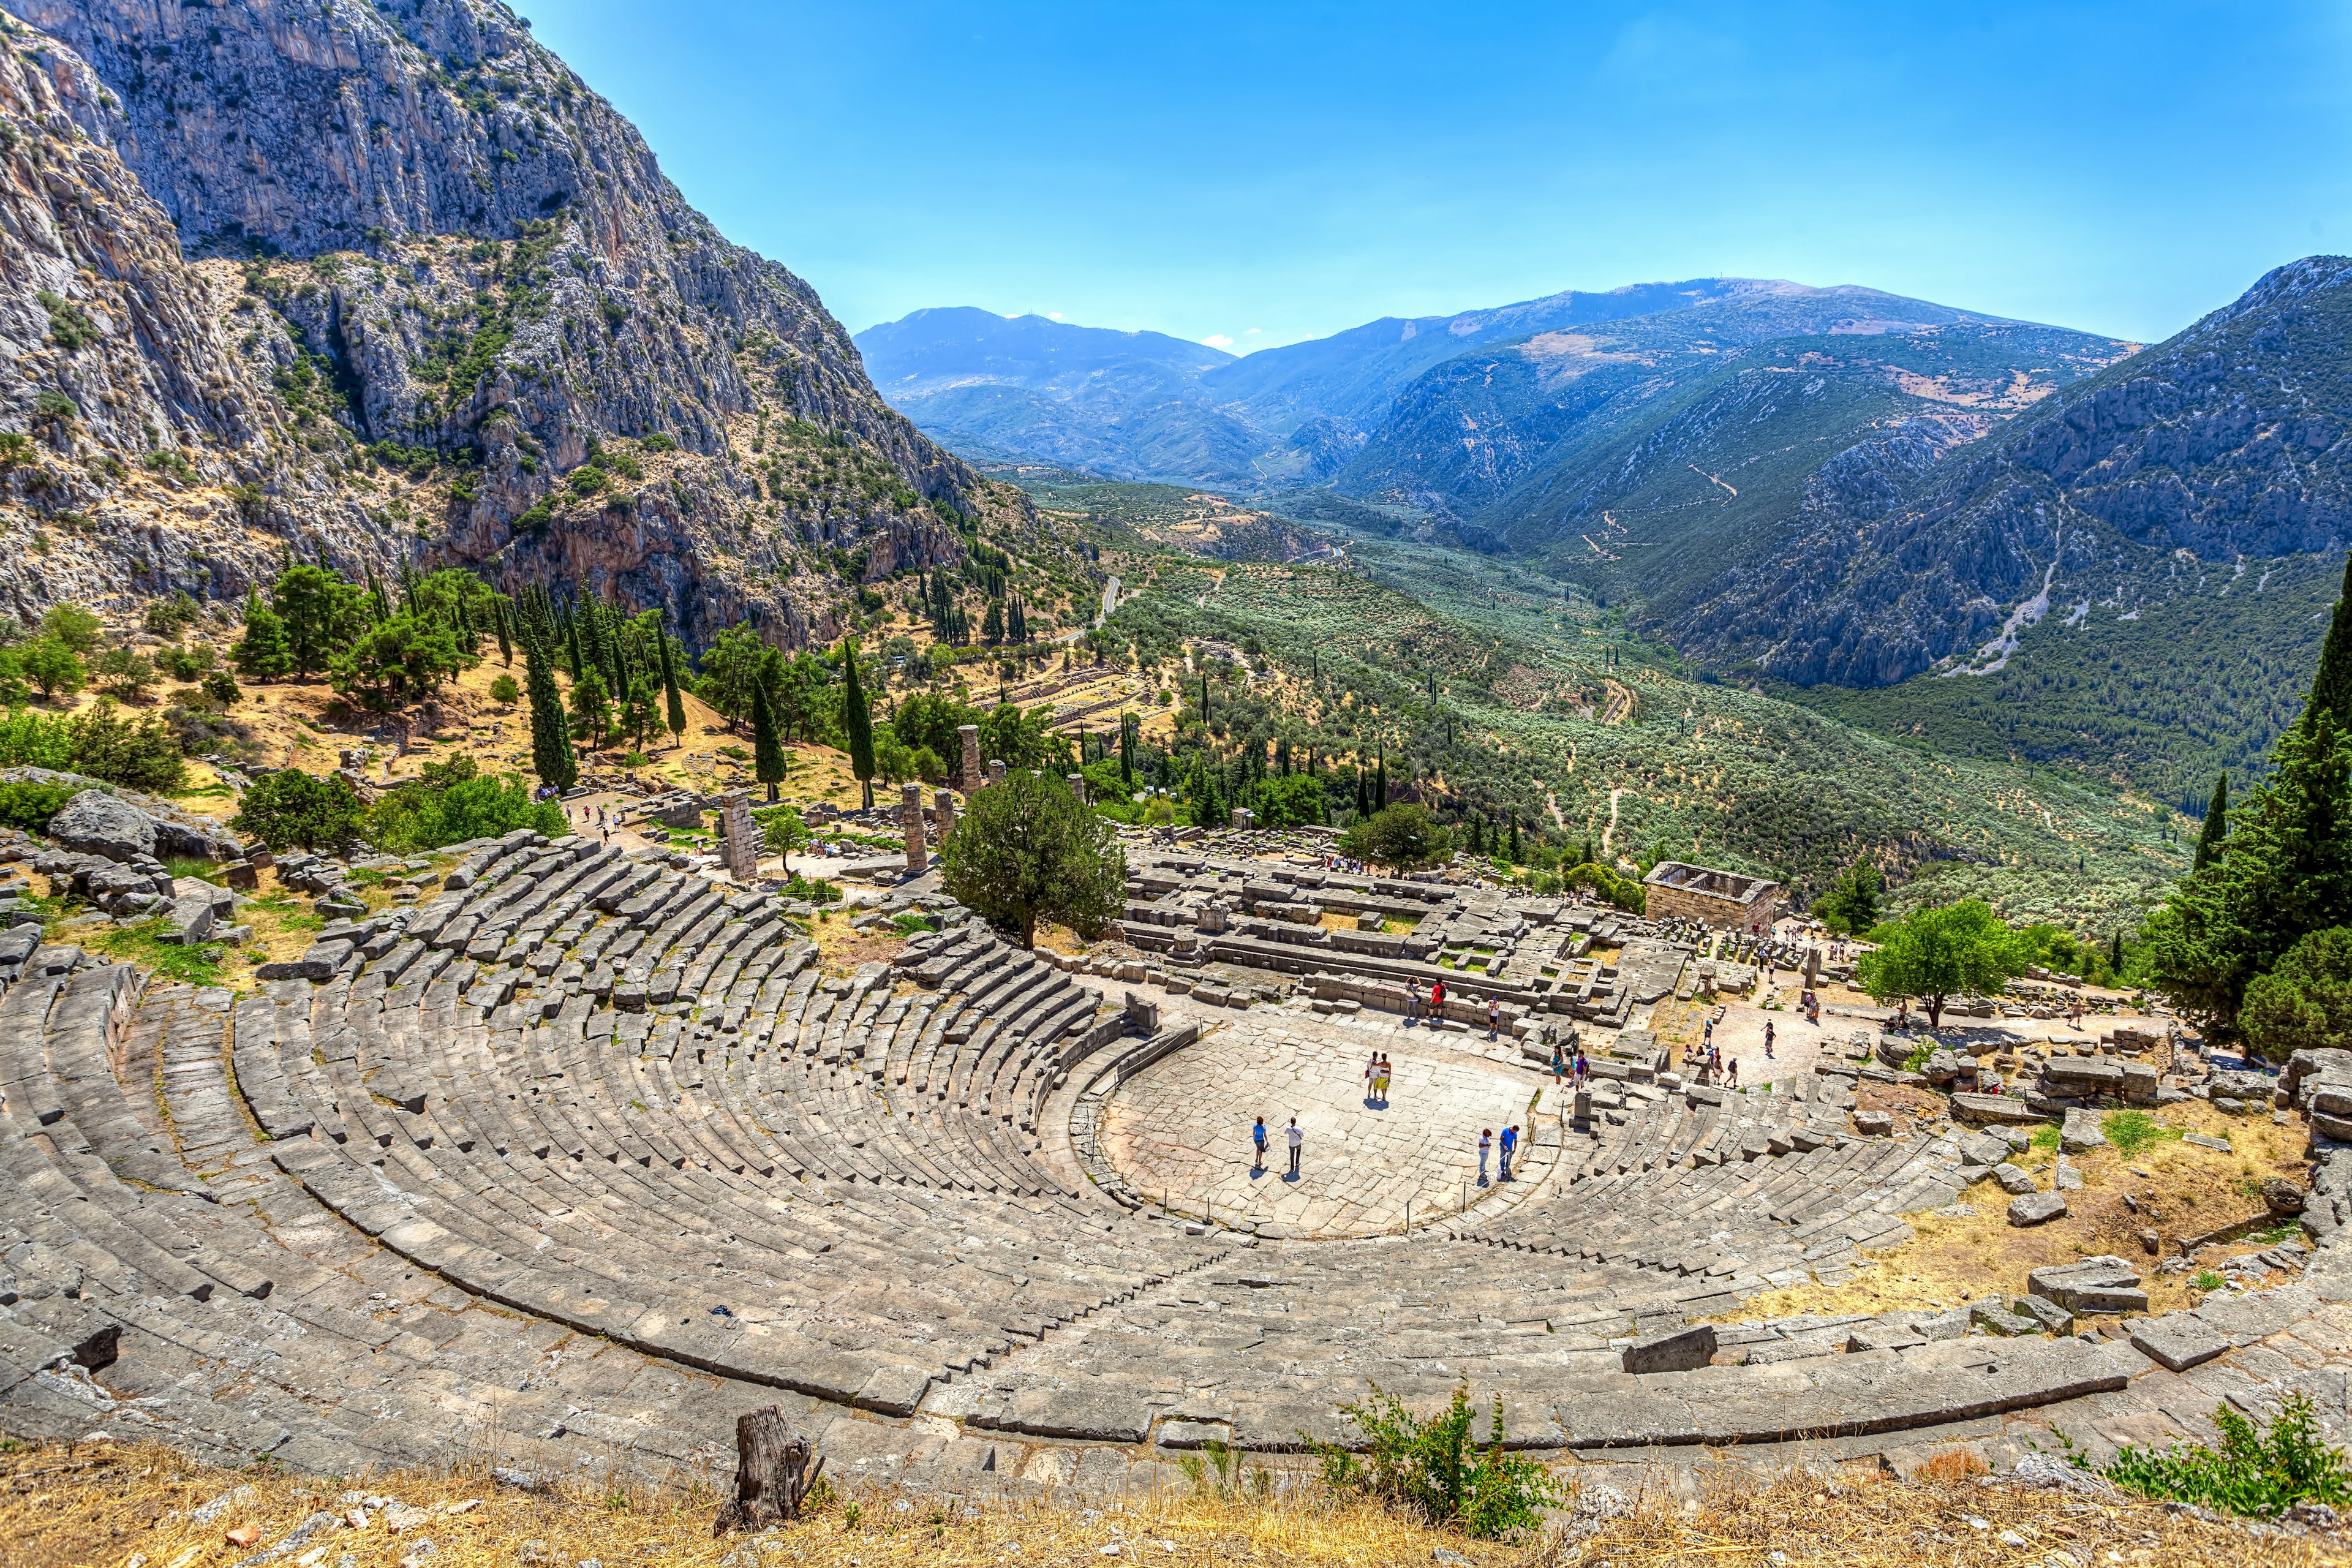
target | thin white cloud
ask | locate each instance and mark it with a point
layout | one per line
(1217, 341)
(1053, 315)
(1251, 332)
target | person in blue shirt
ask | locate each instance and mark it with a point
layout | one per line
(1511, 1143)
(1257, 1137)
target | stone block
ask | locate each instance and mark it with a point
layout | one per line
(1672, 1349)
(2036, 1208)
(2001, 1321)
(2177, 1341)
(2053, 1316)
(2081, 1132)
(2013, 1180)
(2006, 1108)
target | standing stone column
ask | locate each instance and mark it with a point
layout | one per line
(968, 771)
(943, 804)
(996, 771)
(910, 817)
(740, 839)
(1078, 783)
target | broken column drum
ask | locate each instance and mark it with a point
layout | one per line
(910, 817)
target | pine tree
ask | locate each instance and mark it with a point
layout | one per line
(767, 752)
(676, 713)
(2211, 841)
(552, 756)
(856, 721)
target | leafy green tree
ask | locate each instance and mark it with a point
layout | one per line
(1937, 954)
(856, 722)
(291, 809)
(641, 715)
(730, 670)
(504, 690)
(73, 625)
(929, 720)
(1025, 850)
(592, 706)
(1286, 801)
(397, 660)
(782, 831)
(551, 757)
(768, 763)
(221, 687)
(264, 651)
(123, 672)
(2305, 1002)
(52, 665)
(322, 613)
(1404, 837)
(2210, 838)
(1850, 905)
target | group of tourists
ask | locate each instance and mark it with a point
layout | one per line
(1486, 1145)
(1375, 1080)
(1419, 1003)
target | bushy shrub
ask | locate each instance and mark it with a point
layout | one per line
(1433, 1468)
(30, 805)
(139, 753)
(504, 690)
(2253, 1472)
(1623, 891)
(455, 800)
(292, 808)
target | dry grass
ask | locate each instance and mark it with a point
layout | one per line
(840, 951)
(2188, 1189)
(109, 1507)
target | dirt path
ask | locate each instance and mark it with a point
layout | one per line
(1610, 832)
(1710, 478)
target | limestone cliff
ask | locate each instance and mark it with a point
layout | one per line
(444, 277)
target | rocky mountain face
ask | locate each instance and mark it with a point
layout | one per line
(2225, 445)
(461, 277)
(135, 439)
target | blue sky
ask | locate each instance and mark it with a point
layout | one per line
(1261, 173)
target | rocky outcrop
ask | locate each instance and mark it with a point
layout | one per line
(438, 278)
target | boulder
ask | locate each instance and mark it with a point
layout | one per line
(97, 823)
(1874, 1123)
(2283, 1197)
(2036, 1208)
(1672, 1349)
(1942, 1067)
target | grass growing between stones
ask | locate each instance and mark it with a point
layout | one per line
(2186, 1190)
(110, 1505)
(142, 942)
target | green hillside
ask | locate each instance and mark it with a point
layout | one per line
(1493, 692)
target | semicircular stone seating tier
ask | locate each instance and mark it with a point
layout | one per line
(577, 1162)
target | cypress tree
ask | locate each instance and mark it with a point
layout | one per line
(2115, 952)
(1380, 785)
(767, 752)
(1515, 840)
(676, 713)
(2331, 688)
(1126, 750)
(2209, 843)
(1204, 696)
(467, 638)
(505, 644)
(552, 756)
(1363, 793)
(856, 721)
(572, 645)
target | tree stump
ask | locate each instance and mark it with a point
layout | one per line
(773, 1472)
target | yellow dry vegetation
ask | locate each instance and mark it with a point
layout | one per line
(110, 1505)
(2186, 1191)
